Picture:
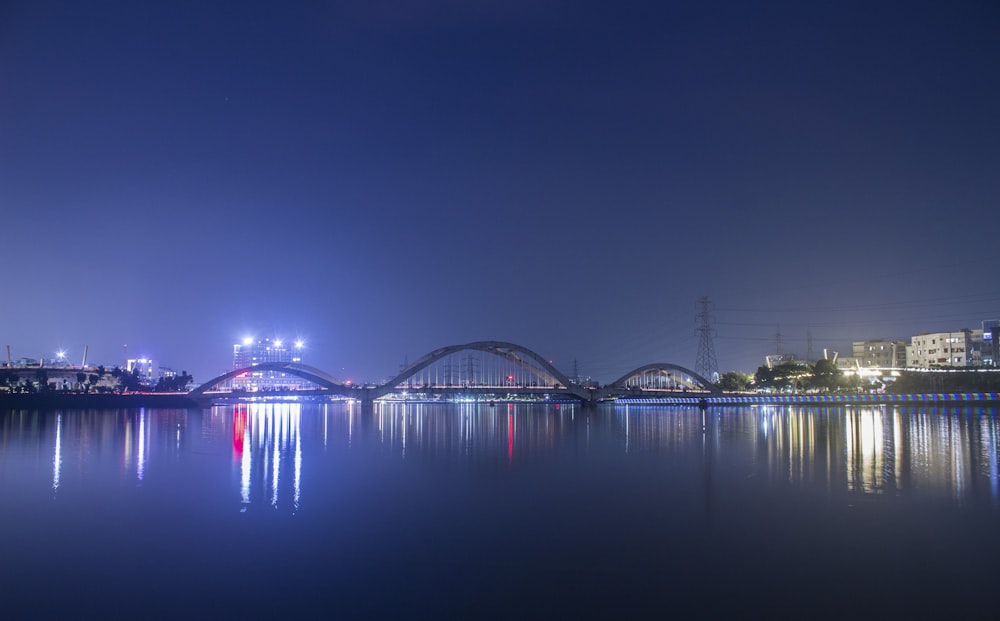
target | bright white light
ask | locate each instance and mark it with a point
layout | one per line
(299, 344)
(277, 342)
(248, 340)
(61, 354)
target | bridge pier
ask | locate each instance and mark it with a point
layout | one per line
(367, 402)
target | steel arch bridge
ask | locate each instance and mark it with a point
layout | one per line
(658, 379)
(311, 374)
(515, 370)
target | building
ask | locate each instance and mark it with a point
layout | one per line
(253, 352)
(880, 354)
(148, 369)
(991, 343)
(945, 349)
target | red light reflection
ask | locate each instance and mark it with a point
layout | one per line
(510, 438)
(239, 429)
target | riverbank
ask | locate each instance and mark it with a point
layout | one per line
(72, 400)
(989, 398)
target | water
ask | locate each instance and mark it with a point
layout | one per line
(510, 511)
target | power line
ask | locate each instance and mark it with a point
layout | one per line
(940, 301)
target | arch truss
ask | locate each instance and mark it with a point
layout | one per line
(660, 378)
(482, 366)
(302, 371)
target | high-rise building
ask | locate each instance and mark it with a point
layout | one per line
(253, 352)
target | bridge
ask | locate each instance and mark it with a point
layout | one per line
(482, 369)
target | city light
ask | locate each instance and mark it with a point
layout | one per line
(299, 344)
(277, 342)
(248, 340)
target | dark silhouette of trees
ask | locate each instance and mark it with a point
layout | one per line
(823, 376)
(735, 381)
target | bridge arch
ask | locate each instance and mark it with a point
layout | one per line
(665, 367)
(303, 371)
(516, 354)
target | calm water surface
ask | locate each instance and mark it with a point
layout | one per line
(509, 511)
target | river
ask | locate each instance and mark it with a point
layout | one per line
(477, 510)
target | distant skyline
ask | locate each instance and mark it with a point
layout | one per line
(381, 179)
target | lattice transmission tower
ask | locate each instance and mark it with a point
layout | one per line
(705, 365)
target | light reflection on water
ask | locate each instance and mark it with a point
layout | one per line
(931, 452)
(266, 435)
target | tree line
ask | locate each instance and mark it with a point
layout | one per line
(821, 376)
(824, 376)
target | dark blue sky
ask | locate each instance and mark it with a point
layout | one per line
(385, 178)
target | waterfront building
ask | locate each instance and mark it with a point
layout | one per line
(253, 352)
(879, 353)
(945, 349)
(991, 343)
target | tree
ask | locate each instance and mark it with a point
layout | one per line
(735, 381)
(764, 377)
(42, 376)
(786, 376)
(826, 376)
(127, 381)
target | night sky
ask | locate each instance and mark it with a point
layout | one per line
(385, 178)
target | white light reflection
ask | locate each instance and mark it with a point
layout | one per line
(245, 479)
(298, 465)
(864, 450)
(140, 466)
(265, 435)
(626, 431)
(350, 423)
(275, 461)
(57, 459)
(991, 453)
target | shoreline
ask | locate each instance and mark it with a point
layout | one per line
(58, 400)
